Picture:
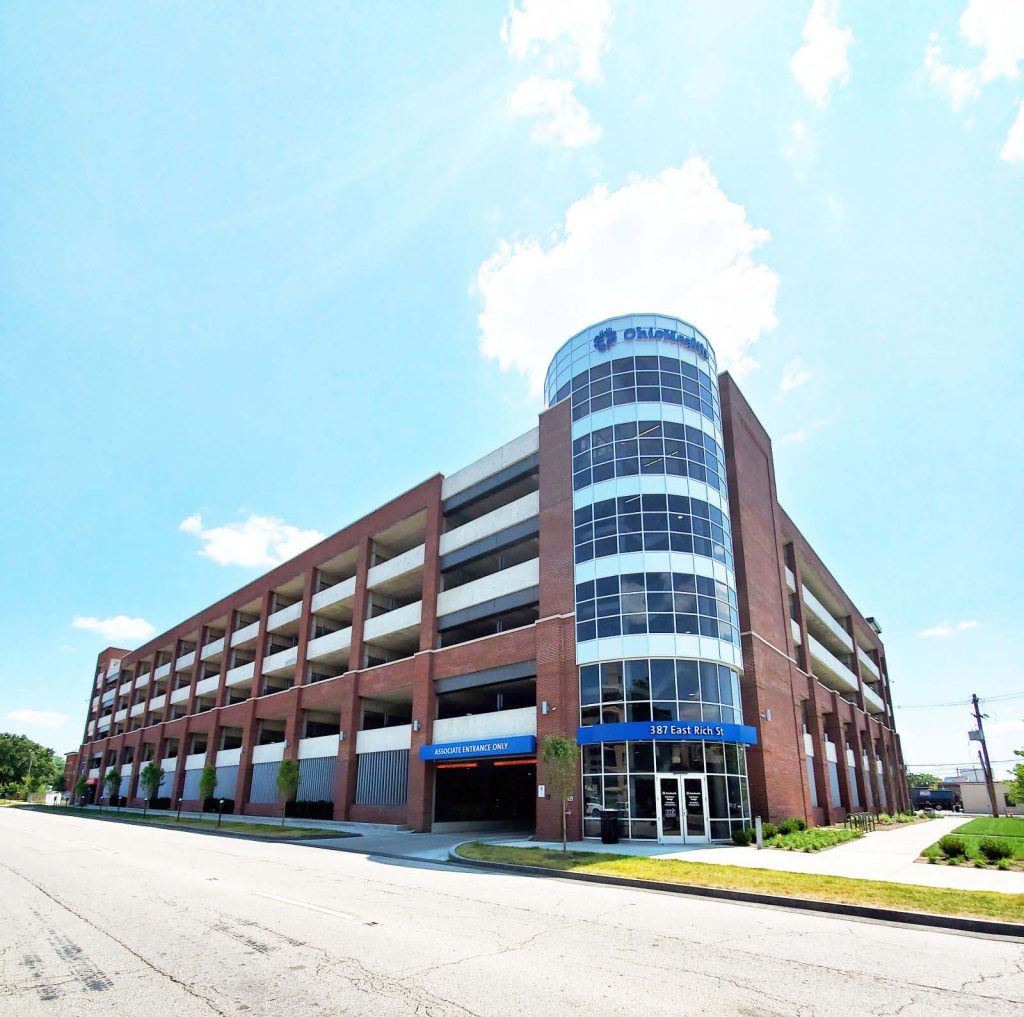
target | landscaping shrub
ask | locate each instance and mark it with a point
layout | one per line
(1003, 864)
(994, 849)
(794, 825)
(309, 810)
(213, 805)
(814, 840)
(159, 803)
(884, 819)
(952, 846)
(743, 838)
(768, 830)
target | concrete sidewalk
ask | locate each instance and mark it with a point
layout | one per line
(887, 854)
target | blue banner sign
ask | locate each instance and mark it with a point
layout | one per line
(515, 745)
(667, 731)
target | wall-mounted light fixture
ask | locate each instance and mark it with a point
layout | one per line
(341, 736)
(415, 725)
(546, 707)
(767, 715)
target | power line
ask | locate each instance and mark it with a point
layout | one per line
(961, 702)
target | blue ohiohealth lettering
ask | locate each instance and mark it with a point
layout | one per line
(608, 337)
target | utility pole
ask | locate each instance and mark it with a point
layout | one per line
(985, 761)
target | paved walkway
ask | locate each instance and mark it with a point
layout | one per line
(889, 855)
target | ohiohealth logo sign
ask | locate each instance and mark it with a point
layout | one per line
(608, 337)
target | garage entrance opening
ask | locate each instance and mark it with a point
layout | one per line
(486, 794)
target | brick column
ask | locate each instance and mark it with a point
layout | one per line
(261, 644)
(816, 729)
(431, 567)
(245, 758)
(225, 659)
(292, 721)
(420, 800)
(834, 727)
(558, 685)
(355, 652)
(305, 624)
(191, 701)
(345, 770)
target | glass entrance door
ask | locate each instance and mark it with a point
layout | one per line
(670, 817)
(695, 809)
(682, 809)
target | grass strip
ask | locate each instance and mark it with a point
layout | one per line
(209, 825)
(1009, 826)
(869, 892)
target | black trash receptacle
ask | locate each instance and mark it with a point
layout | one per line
(609, 826)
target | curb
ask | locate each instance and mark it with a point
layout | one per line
(978, 926)
(215, 832)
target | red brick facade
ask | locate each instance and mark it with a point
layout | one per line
(777, 680)
(777, 676)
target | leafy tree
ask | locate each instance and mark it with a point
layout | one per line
(112, 781)
(1015, 782)
(560, 758)
(207, 785)
(151, 777)
(59, 784)
(288, 777)
(923, 780)
(26, 767)
(81, 786)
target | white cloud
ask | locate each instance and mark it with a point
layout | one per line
(803, 434)
(794, 374)
(119, 629)
(959, 84)
(946, 628)
(801, 148)
(568, 35)
(1013, 149)
(45, 720)
(673, 243)
(821, 64)
(258, 540)
(997, 28)
(564, 118)
(567, 39)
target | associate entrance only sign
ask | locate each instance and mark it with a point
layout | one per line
(516, 745)
(667, 731)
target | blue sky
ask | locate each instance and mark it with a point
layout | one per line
(266, 266)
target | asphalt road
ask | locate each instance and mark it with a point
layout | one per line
(104, 919)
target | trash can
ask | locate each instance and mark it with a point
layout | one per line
(609, 826)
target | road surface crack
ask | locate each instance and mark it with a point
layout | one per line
(185, 986)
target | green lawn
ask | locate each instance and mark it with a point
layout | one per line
(189, 821)
(874, 893)
(1008, 830)
(1006, 827)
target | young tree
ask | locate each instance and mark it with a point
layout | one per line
(59, 784)
(207, 785)
(560, 758)
(1015, 782)
(151, 777)
(81, 786)
(112, 781)
(287, 783)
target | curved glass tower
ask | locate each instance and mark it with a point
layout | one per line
(657, 632)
